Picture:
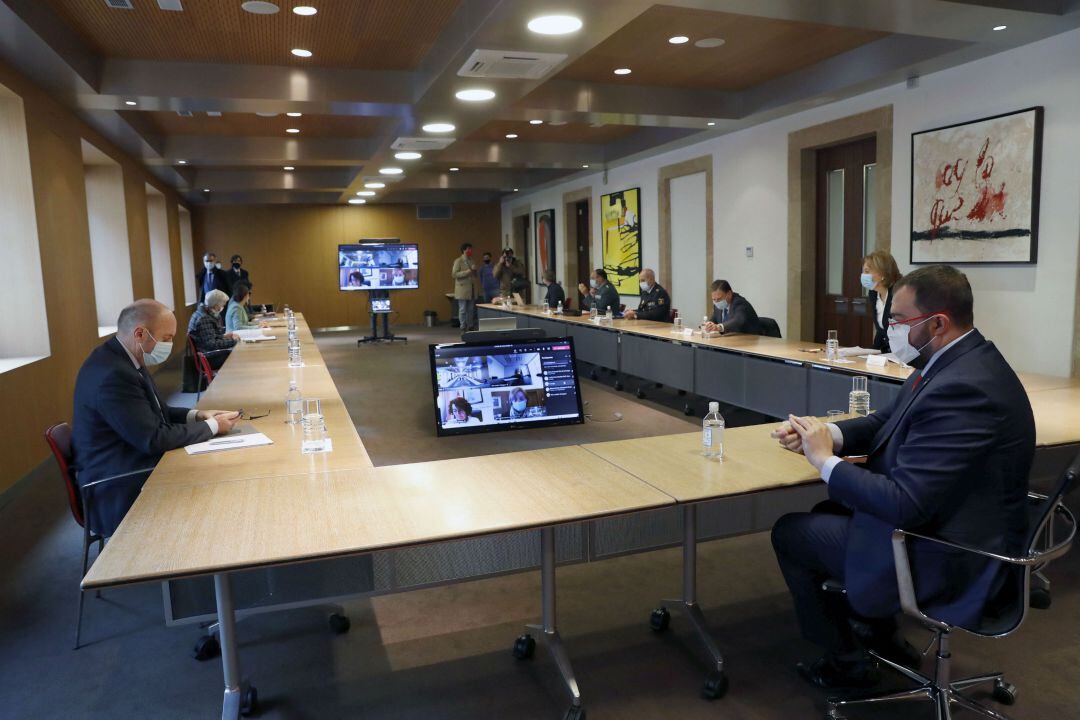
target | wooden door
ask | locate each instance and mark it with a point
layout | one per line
(584, 242)
(845, 234)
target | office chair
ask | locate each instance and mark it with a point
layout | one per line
(1003, 615)
(202, 366)
(58, 437)
(769, 327)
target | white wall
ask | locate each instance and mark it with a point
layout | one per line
(1026, 310)
(187, 258)
(160, 256)
(688, 229)
(109, 250)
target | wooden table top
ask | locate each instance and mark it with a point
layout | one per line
(188, 530)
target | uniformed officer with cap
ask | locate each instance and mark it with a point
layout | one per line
(655, 302)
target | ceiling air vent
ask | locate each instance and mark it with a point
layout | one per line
(171, 5)
(420, 144)
(434, 212)
(509, 64)
(120, 4)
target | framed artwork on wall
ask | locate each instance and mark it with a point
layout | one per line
(544, 232)
(620, 229)
(975, 190)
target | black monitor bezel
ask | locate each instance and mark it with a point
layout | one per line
(375, 244)
(440, 431)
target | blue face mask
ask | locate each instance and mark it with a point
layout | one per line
(592, 283)
(867, 281)
(720, 305)
(519, 405)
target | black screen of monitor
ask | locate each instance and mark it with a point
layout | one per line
(485, 387)
(379, 266)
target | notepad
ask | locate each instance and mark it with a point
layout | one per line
(261, 338)
(229, 442)
(253, 334)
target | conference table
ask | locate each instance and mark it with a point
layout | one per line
(224, 518)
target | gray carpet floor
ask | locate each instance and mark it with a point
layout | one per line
(444, 652)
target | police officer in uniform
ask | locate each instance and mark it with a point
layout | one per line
(655, 302)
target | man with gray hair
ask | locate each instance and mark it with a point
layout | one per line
(655, 302)
(211, 277)
(122, 426)
(207, 329)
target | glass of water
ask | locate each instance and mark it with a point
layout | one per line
(314, 425)
(832, 346)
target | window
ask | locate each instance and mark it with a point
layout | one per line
(160, 257)
(834, 246)
(24, 327)
(109, 250)
(187, 258)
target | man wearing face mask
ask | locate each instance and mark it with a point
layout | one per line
(236, 274)
(466, 288)
(489, 285)
(121, 423)
(732, 313)
(600, 294)
(655, 302)
(948, 458)
(207, 329)
(210, 277)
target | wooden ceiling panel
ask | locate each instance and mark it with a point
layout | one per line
(755, 49)
(569, 133)
(251, 125)
(359, 34)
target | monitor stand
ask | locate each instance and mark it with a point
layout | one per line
(387, 336)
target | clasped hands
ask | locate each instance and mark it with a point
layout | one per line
(806, 435)
(226, 419)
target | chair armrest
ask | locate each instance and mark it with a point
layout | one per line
(215, 352)
(113, 478)
(1032, 495)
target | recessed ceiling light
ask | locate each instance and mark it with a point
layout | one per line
(206, 189)
(710, 123)
(439, 127)
(536, 122)
(474, 95)
(259, 7)
(622, 71)
(357, 201)
(130, 103)
(366, 193)
(292, 131)
(678, 40)
(709, 42)
(301, 52)
(585, 166)
(288, 167)
(557, 122)
(454, 169)
(181, 162)
(294, 114)
(409, 155)
(511, 136)
(515, 189)
(375, 185)
(390, 171)
(266, 114)
(554, 24)
(304, 10)
(999, 28)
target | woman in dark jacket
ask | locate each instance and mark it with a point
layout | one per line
(879, 274)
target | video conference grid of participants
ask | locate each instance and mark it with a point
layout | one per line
(378, 266)
(504, 384)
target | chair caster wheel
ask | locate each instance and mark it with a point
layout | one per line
(339, 624)
(688, 409)
(640, 393)
(1039, 598)
(206, 648)
(524, 647)
(1004, 692)
(249, 704)
(716, 684)
(575, 712)
(660, 619)
(618, 385)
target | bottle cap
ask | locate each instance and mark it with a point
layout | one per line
(714, 407)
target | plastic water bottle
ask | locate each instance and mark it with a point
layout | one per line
(592, 313)
(832, 346)
(558, 309)
(676, 324)
(609, 318)
(712, 433)
(859, 397)
(293, 404)
(294, 354)
(701, 327)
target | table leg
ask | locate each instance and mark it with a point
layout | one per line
(716, 681)
(240, 698)
(548, 631)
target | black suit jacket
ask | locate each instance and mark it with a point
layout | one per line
(121, 424)
(881, 331)
(950, 458)
(742, 318)
(232, 277)
(218, 282)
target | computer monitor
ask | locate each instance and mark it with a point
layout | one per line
(491, 386)
(379, 265)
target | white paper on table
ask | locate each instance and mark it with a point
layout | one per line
(261, 338)
(253, 334)
(858, 351)
(229, 442)
(317, 446)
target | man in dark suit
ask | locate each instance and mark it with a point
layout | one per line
(949, 458)
(732, 313)
(121, 422)
(211, 277)
(236, 273)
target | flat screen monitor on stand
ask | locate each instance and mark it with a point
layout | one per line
(380, 305)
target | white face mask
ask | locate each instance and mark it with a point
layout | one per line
(159, 354)
(900, 345)
(209, 265)
(519, 405)
(217, 265)
(720, 305)
(644, 286)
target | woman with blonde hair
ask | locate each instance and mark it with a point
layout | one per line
(879, 274)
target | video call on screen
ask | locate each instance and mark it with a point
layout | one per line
(379, 266)
(487, 386)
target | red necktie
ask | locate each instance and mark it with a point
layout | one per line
(918, 379)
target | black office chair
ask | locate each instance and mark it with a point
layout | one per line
(768, 327)
(1003, 615)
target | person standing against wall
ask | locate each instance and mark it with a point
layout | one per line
(466, 282)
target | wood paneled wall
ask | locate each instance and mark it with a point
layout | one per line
(291, 253)
(40, 394)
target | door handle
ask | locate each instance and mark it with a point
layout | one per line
(858, 306)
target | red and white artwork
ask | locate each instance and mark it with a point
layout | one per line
(975, 190)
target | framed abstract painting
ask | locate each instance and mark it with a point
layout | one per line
(620, 228)
(975, 190)
(544, 232)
